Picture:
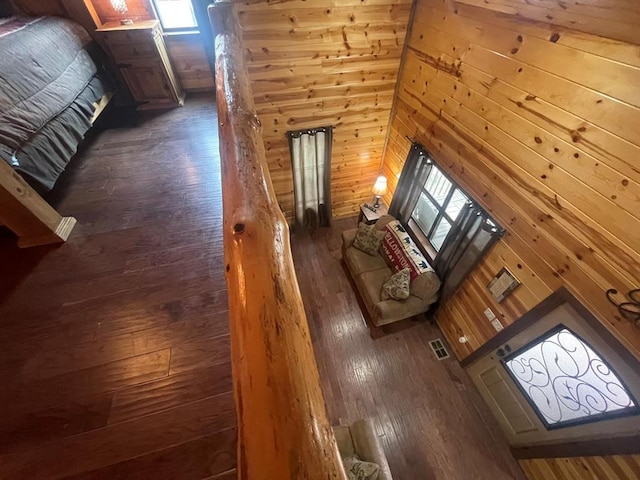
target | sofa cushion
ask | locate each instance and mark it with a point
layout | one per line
(359, 262)
(371, 282)
(368, 239)
(396, 286)
(360, 470)
(401, 252)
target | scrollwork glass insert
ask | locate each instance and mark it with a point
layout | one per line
(567, 382)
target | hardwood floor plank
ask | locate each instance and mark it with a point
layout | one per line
(98, 448)
(169, 392)
(200, 352)
(194, 460)
(86, 383)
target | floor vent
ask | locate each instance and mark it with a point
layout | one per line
(438, 349)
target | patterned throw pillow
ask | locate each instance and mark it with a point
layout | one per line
(396, 286)
(401, 252)
(360, 470)
(367, 239)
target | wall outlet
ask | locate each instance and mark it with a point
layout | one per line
(496, 324)
(489, 314)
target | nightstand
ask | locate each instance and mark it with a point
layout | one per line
(368, 216)
(140, 54)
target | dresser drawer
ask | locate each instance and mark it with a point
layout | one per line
(141, 51)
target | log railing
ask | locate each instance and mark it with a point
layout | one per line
(283, 429)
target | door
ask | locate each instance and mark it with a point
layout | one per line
(563, 378)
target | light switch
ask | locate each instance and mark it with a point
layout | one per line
(489, 314)
(496, 324)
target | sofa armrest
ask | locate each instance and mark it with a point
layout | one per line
(348, 236)
(368, 446)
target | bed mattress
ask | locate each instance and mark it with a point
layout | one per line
(48, 83)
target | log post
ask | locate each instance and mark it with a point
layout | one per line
(27, 214)
(283, 428)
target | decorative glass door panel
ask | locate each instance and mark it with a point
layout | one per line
(567, 382)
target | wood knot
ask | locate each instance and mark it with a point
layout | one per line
(554, 38)
(538, 140)
(238, 228)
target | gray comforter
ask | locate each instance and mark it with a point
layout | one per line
(47, 86)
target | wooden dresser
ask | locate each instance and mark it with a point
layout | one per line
(140, 54)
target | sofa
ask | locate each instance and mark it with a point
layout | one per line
(369, 273)
(360, 440)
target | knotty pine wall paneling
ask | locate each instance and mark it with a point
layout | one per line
(314, 64)
(190, 62)
(539, 124)
(612, 467)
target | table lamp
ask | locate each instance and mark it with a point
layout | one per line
(121, 7)
(379, 189)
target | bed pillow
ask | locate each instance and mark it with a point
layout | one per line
(367, 239)
(396, 286)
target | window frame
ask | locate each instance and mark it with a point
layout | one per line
(423, 240)
(176, 30)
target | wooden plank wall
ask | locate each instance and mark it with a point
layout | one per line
(539, 124)
(613, 467)
(314, 65)
(190, 62)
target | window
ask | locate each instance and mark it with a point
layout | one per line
(176, 15)
(438, 207)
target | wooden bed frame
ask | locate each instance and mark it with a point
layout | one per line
(26, 213)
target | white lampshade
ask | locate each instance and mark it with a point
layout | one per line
(380, 187)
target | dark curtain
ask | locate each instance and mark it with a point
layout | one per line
(206, 33)
(412, 179)
(469, 239)
(311, 165)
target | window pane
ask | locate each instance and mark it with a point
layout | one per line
(424, 214)
(440, 233)
(176, 13)
(454, 207)
(566, 381)
(437, 185)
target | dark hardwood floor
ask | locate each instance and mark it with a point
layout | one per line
(432, 420)
(114, 358)
(114, 347)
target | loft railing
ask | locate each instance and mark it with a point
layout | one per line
(283, 429)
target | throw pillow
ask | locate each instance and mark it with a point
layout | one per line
(367, 239)
(396, 286)
(360, 470)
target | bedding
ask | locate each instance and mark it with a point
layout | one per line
(48, 83)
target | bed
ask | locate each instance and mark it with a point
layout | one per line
(51, 88)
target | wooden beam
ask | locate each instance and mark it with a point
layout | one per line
(27, 214)
(283, 429)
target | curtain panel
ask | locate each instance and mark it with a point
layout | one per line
(413, 177)
(469, 239)
(311, 164)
